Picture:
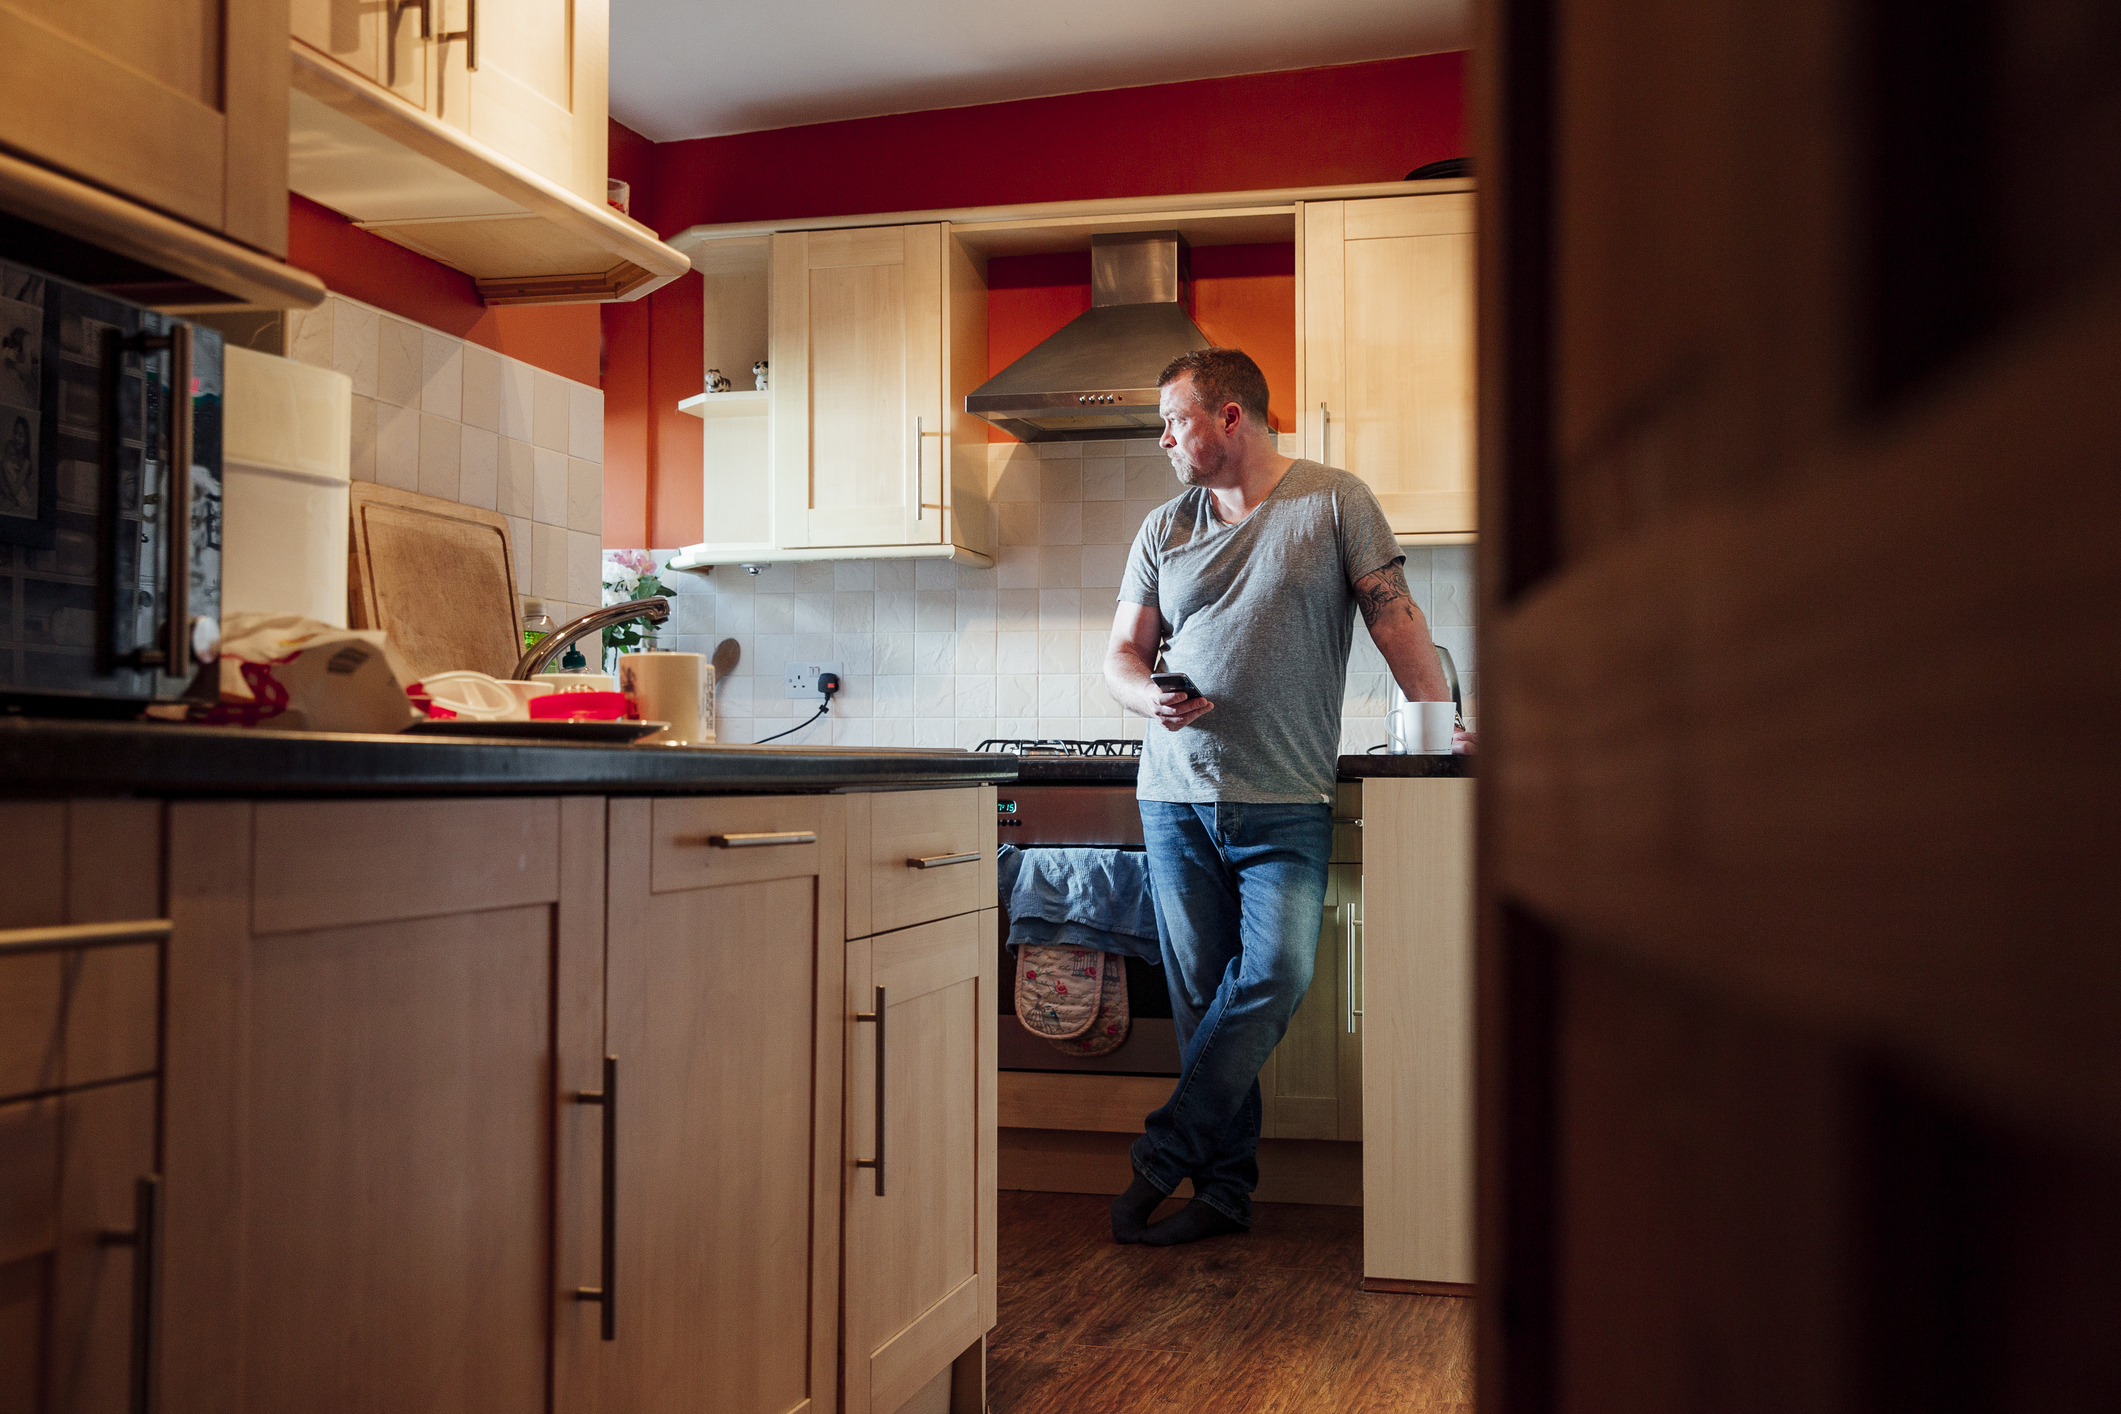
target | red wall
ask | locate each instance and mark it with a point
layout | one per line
(1308, 127)
(560, 338)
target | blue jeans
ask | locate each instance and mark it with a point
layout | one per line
(1238, 889)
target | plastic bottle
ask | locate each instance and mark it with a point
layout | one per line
(536, 623)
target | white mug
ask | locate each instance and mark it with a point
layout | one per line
(1422, 728)
(670, 687)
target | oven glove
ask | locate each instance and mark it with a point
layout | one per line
(1109, 1032)
(1058, 989)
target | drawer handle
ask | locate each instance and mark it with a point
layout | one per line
(757, 840)
(146, 1241)
(606, 1295)
(83, 935)
(938, 861)
(1353, 977)
(877, 1163)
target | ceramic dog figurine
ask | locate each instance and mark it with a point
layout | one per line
(758, 374)
(716, 383)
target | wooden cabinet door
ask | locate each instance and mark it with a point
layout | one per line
(857, 388)
(384, 41)
(1388, 352)
(1311, 1086)
(1417, 1018)
(178, 104)
(378, 1014)
(724, 976)
(920, 1263)
(527, 80)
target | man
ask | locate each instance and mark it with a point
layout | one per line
(1248, 583)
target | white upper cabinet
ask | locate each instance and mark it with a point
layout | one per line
(1388, 353)
(527, 79)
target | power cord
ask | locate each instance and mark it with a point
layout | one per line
(827, 684)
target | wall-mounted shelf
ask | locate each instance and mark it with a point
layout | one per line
(403, 175)
(700, 557)
(750, 403)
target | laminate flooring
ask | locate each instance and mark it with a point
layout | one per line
(1259, 1323)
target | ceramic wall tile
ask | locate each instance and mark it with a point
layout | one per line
(363, 463)
(309, 335)
(479, 480)
(552, 561)
(549, 401)
(585, 496)
(516, 485)
(397, 447)
(585, 422)
(442, 375)
(548, 486)
(518, 382)
(481, 388)
(441, 448)
(354, 337)
(584, 566)
(399, 361)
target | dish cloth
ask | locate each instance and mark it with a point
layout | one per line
(1073, 915)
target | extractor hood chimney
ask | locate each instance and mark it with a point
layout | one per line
(1096, 378)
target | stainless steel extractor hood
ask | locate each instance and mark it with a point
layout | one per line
(1096, 378)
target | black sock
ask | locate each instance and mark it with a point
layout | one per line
(1189, 1224)
(1131, 1209)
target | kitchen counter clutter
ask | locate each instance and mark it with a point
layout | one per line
(55, 758)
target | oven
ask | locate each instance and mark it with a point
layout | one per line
(1080, 793)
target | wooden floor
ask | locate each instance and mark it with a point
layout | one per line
(1272, 1320)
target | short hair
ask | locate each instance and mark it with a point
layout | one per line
(1222, 376)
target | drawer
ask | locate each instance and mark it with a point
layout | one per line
(918, 855)
(29, 1178)
(78, 1017)
(705, 843)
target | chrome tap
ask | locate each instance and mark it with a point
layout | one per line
(655, 609)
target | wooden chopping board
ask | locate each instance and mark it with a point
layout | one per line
(438, 577)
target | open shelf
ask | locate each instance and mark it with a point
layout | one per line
(750, 403)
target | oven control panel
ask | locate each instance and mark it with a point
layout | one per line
(1068, 815)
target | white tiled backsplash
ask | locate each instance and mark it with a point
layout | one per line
(935, 654)
(449, 418)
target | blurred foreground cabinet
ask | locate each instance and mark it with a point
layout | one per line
(80, 1095)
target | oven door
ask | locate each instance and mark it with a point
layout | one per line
(110, 417)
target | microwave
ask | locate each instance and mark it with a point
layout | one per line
(110, 501)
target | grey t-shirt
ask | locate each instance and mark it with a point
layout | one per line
(1260, 615)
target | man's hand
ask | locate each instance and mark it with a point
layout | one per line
(1176, 711)
(1463, 742)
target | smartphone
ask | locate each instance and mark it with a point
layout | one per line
(1174, 682)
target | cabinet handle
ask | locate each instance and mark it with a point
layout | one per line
(1322, 433)
(877, 1163)
(763, 838)
(83, 935)
(1353, 935)
(938, 861)
(469, 34)
(146, 1241)
(920, 507)
(605, 1295)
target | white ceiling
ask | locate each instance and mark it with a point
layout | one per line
(697, 68)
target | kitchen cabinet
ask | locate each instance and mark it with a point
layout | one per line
(382, 1191)
(80, 1099)
(855, 451)
(857, 399)
(724, 975)
(1417, 994)
(474, 132)
(180, 105)
(1386, 354)
(1311, 1086)
(919, 1167)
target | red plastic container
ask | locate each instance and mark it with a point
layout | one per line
(578, 707)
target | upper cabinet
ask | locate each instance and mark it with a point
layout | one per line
(858, 406)
(473, 132)
(860, 448)
(156, 129)
(1387, 353)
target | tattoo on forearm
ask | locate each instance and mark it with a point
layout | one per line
(1378, 591)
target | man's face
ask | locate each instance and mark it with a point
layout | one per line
(1193, 436)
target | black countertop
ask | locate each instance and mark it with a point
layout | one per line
(1121, 770)
(61, 758)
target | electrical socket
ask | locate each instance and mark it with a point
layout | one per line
(800, 679)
